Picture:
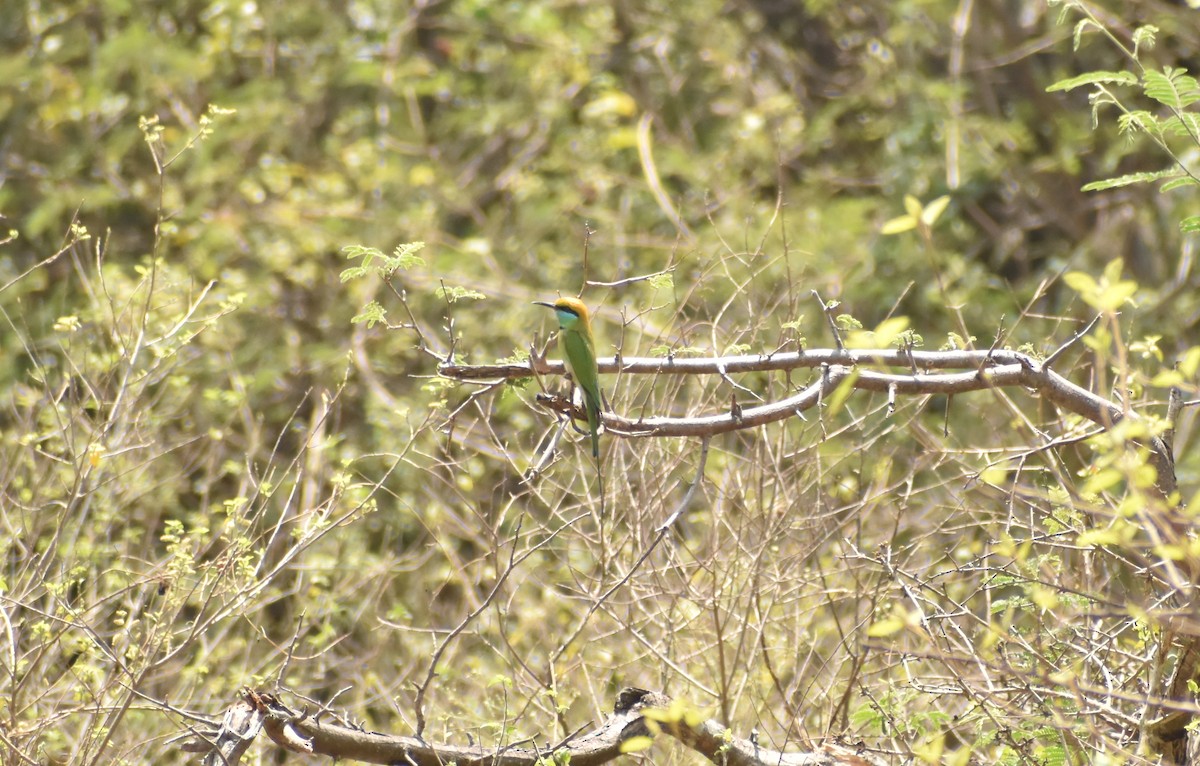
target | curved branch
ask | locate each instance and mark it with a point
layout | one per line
(999, 369)
(792, 360)
(301, 732)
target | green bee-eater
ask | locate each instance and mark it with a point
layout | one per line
(579, 353)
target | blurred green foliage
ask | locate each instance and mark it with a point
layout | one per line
(207, 466)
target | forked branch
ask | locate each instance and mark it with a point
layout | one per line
(928, 374)
(310, 734)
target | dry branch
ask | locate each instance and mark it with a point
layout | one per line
(920, 373)
(302, 732)
(983, 370)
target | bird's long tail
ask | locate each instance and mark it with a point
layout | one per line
(593, 416)
(593, 412)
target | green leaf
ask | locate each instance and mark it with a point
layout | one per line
(362, 251)
(1114, 296)
(1185, 124)
(956, 342)
(1079, 281)
(1143, 37)
(1178, 182)
(1095, 78)
(1172, 87)
(1079, 27)
(1113, 269)
(865, 717)
(354, 272)
(405, 256)
(636, 744)
(847, 322)
(67, 324)
(1168, 378)
(930, 749)
(1096, 537)
(997, 476)
(1190, 225)
(372, 314)
(889, 329)
(837, 399)
(1140, 119)
(454, 293)
(1106, 478)
(610, 105)
(889, 626)
(1099, 99)
(912, 206)
(898, 225)
(1130, 179)
(678, 711)
(934, 210)
(1190, 363)
(1106, 294)
(662, 281)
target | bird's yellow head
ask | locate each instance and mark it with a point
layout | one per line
(570, 311)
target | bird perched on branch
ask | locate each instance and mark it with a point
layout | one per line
(579, 354)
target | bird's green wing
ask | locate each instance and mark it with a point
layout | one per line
(580, 351)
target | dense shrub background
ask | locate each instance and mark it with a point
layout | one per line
(210, 477)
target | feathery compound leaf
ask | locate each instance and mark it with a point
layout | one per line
(371, 315)
(1178, 182)
(1190, 225)
(1099, 98)
(1172, 87)
(1185, 124)
(1131, 122)
(1082, 25)
(455, 293)
(1131, 178)
(1095, 78)
(406, 257)
(1144, 37)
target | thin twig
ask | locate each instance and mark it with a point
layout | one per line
(826, 310)
(687, 498)
(1049, 361)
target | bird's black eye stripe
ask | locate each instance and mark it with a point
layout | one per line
(567, 310)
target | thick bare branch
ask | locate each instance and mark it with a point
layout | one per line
(713, 741)
(793, 360)
(985, 369)
(309, 734)
(226, 746)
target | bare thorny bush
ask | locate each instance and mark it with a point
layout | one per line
(963, 574)
(947, 573)
(956, 572)
(152, 516)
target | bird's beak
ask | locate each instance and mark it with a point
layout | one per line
(543, 303)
